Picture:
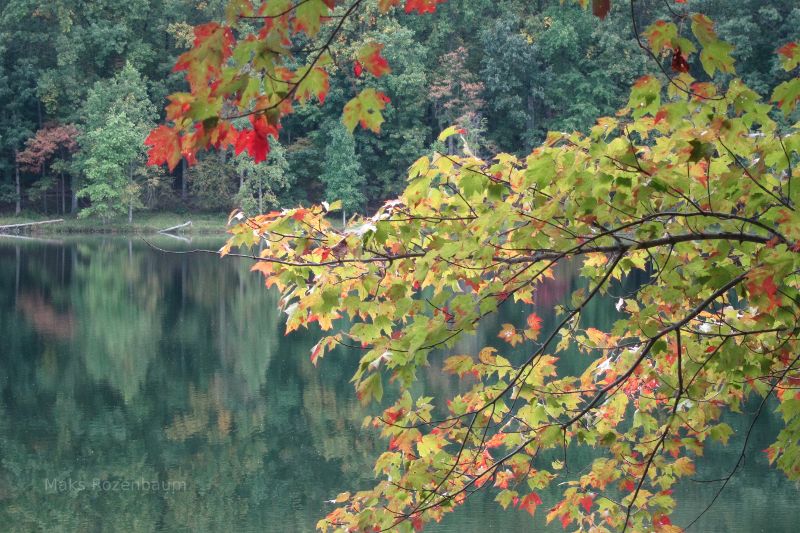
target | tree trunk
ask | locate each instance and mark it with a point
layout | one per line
(63, 195)
(18, 208)
(344, 221)
(130, 194)
(531, 112)
(184, 175)
(74, 190)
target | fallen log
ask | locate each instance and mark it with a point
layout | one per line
(173, 228)
(26, 224)
(187, 240)
(34, 239)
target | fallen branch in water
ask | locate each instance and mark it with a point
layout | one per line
(25, 224)
(173, 228)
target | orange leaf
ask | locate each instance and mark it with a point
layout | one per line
(534, 326)
(530, 502)
(165, 147)
(369, 56)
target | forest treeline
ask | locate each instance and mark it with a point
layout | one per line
(83, 82)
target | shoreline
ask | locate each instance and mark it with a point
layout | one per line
(145, 224)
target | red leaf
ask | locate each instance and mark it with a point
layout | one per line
(255, 145)
(679, 63)
(766, 287)
(586, 502)
(496, 441)
(787, 49)
(255, 141)
(530, 502)
(534, 326)
(565, 520)
(165, 147)
(534, 322)
(422, 6)
(357, 68)
(662, 520)
(369, 56)
(600, 8)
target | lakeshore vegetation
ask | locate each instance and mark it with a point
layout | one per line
(473, 149)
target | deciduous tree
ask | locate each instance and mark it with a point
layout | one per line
(690, 185)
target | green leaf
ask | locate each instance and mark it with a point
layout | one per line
(786, 95)
(717, 56)
(365, 109)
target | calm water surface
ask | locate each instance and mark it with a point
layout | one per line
(150, 392)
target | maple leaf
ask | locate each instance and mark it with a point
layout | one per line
(600, 8)
(790, 53)
(496, 441)
(767, 287)
(357, 69)
(717, 56)
(534, 326)
(255, 141)
(660, 35)
(309, 14)
(586, 502)
(299, 214)
(385, 5)
(679, 63)
(458, 364)
(365, 109)
(786, 95)
(370, 57)
(212, 46)
(165, 147)
(510, 335)
(179, 104)
(530, 502)
(313, 83)
(422, 6)
(703, 29)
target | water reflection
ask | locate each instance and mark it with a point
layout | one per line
(172, 373)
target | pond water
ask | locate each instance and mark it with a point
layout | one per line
(142, 391)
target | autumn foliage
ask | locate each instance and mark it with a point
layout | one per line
(690, 185)
(262, 70)
(48, 143)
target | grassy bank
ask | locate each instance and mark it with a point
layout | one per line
(143, 223)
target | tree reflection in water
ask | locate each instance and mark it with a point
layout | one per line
(123, 364)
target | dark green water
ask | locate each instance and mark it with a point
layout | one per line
(149, 392)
